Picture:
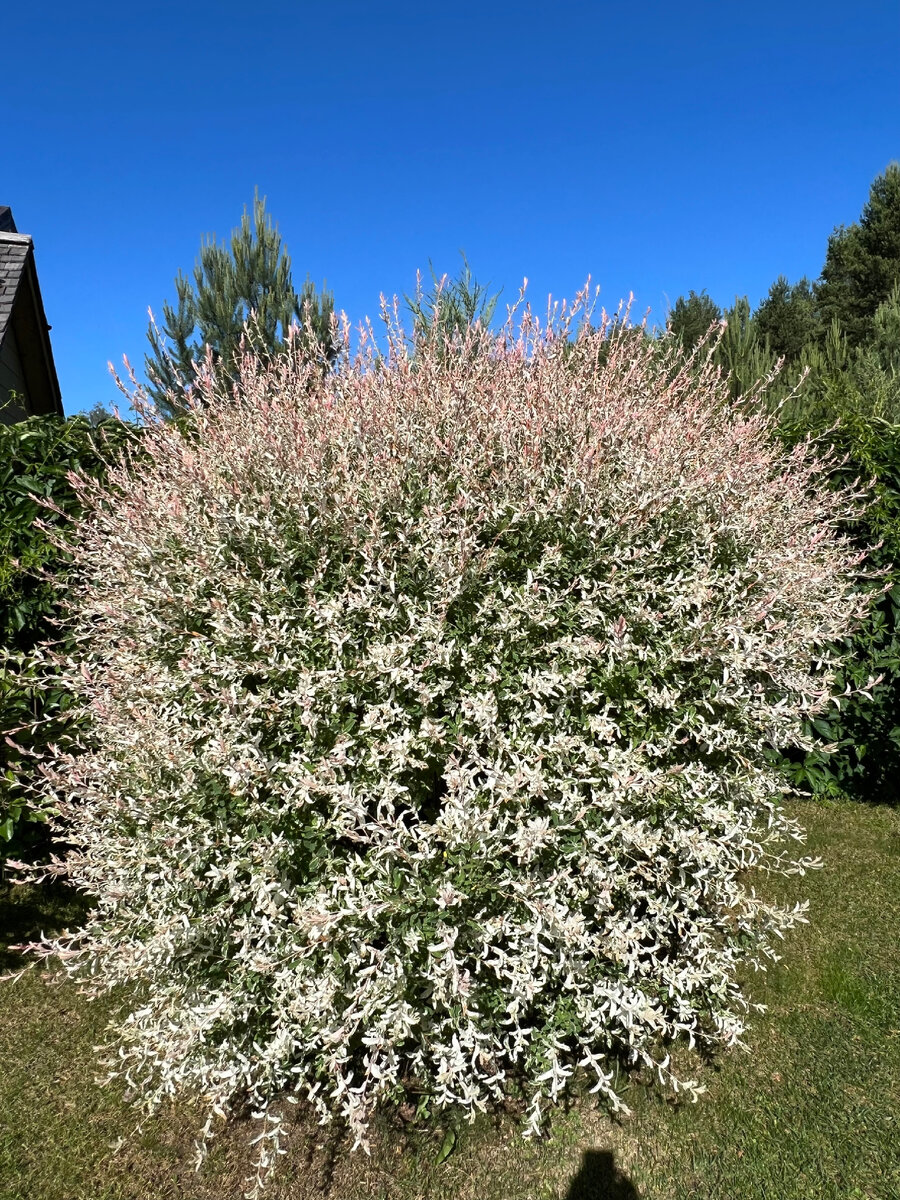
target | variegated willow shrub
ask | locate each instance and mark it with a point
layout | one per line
(429, 704)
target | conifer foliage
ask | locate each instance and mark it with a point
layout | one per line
(248, 280)
(691, 318)
(862, 264)
(842, 335)
(450, 307)
(428, 707)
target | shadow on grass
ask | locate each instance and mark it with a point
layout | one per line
(28, 911)
(600, 1179)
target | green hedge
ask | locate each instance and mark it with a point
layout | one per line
(36, 458)
(866, 764)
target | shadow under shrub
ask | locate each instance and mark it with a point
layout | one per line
(426, 709)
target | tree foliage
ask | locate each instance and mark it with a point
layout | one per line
(243, 288)
(788, 318)
(450, 307)
(862, 263)
(841, 336)
(692, 318)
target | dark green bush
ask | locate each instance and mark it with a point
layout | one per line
(36, 458)
(866, 763)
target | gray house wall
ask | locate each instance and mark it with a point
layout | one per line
(12, 379)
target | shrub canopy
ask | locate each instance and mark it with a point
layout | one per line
(429, 707)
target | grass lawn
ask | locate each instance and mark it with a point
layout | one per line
(811, 1112)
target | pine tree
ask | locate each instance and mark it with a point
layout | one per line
(876, 370)
(451, 306)
(862, 263)
(246, 283)
(692, 317)
(788, 318)
(740, 352)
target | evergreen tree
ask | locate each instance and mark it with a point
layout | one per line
(451, 306)
(862, 263)
(692, 317)
(886, 335)
(247, 282)
(97, 414)
(876, 370)
(788, 318)
(741, 353)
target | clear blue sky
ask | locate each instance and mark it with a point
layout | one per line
(658, 147)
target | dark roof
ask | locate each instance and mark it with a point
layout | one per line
(14, 251)
(22, 310)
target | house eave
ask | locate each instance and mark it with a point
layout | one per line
(28, 322)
